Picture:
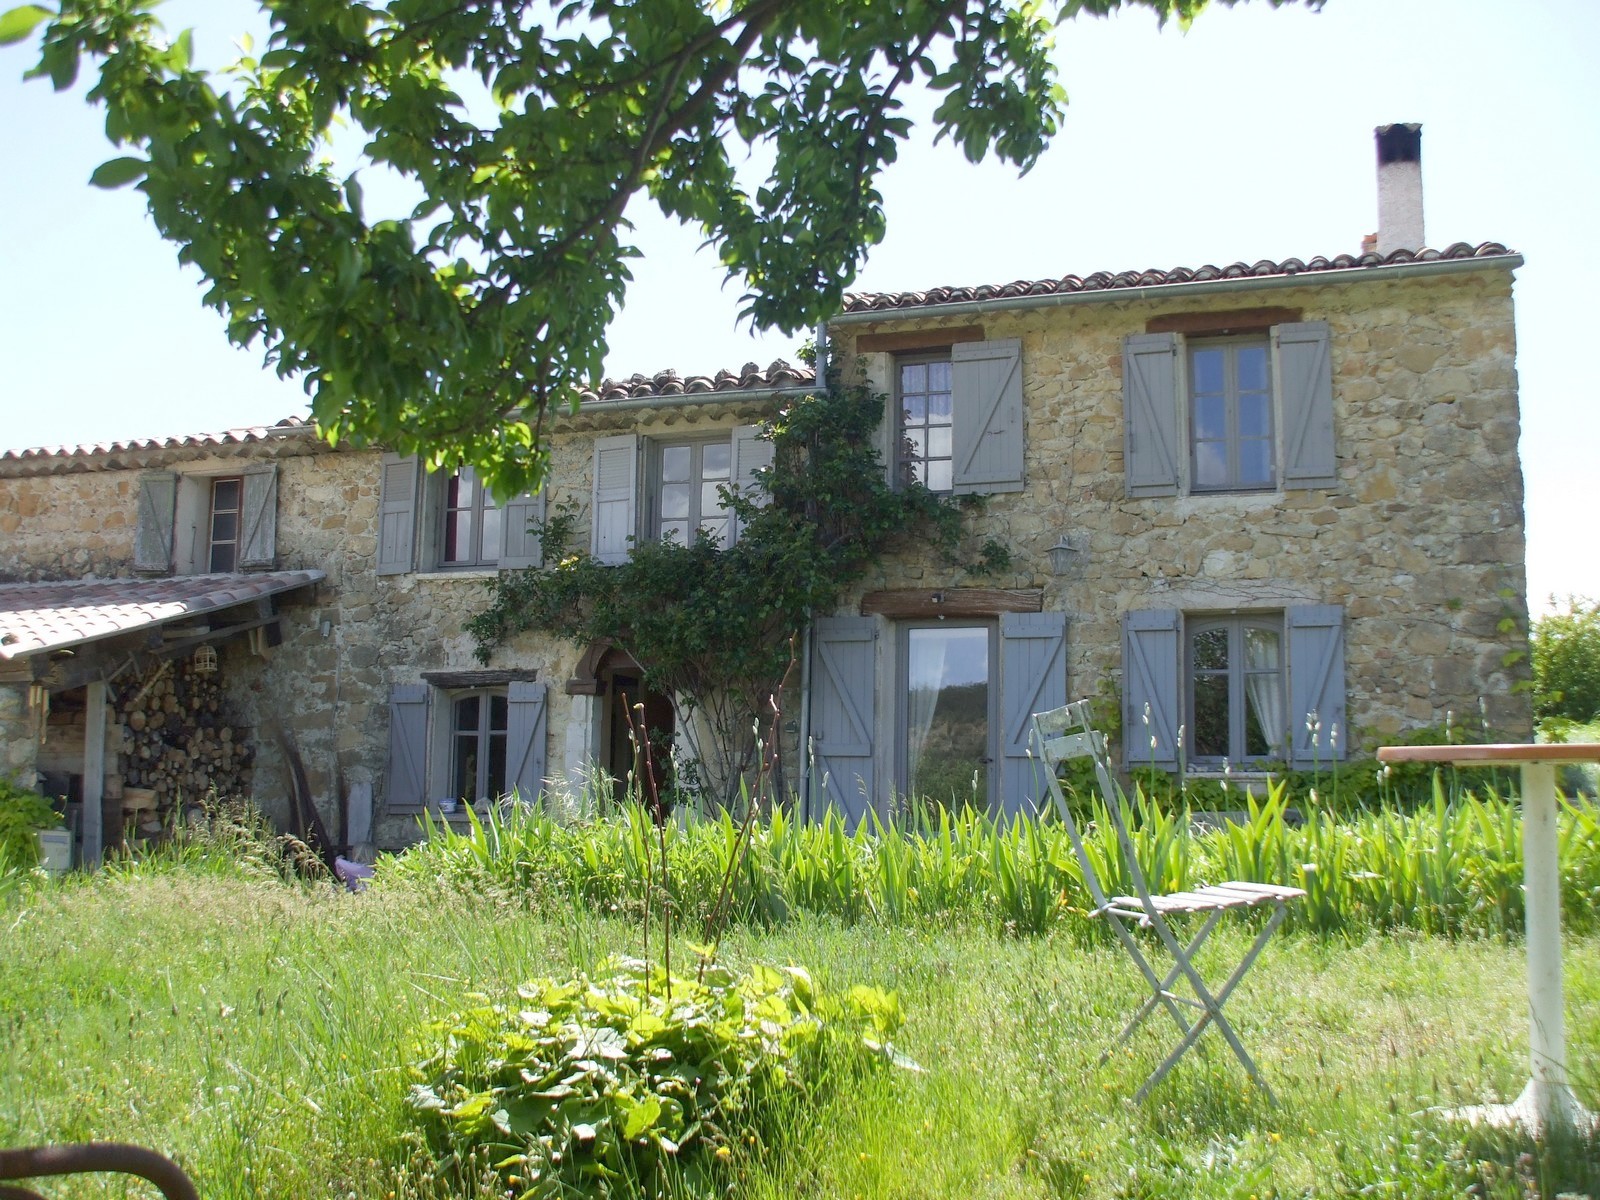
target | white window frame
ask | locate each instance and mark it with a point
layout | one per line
(908, 466)
(479, 555)
(443, 762)
(213, 542)
(656, 452)
(902, 710)
(1232, 438)
(1237, 674)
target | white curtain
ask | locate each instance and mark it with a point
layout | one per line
(925, 674)
(1263, 663)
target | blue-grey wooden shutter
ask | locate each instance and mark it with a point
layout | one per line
(1151, 678)
(408, 745)
(616, 497)
(843, 695)
(986, 413)
(1033, 678)
(1305, 390)
(1316, 683)
(526, 738)
(520, 519)
(397, 514)
(751, 453)
(258, 541)
(1150, 427)
(152, 537)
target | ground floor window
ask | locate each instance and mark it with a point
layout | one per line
(479, 721)
(1236, 688)
(948, 737)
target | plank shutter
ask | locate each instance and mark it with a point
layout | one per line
(397, 514)
(1316, 682)
(408, 745)
(152, 538)
(986, 413)
(1305, 384)
(751, 453)
(843, 693)
(616, 497)
(1150, 677)
(1033, 678)
(519, 533)
(526, 726)
(1150, 413)
(258, 545)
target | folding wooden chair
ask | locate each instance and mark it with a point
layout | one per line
(1065, 733)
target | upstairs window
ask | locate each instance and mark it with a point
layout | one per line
(925, 446)
(226, 497)
(470, 536)
(688, 494)
(1230, 415)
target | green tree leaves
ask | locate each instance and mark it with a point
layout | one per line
(17, 24)
(119, 172)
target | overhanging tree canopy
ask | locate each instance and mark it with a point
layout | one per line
(493, 296)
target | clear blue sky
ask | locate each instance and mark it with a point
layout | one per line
(1249, 137)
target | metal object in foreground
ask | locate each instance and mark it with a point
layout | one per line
(37, 1162)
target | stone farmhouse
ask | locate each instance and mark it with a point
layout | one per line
(1275, 508)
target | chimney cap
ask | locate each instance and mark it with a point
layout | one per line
(1398, 143)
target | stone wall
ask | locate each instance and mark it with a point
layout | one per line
(1422, 540)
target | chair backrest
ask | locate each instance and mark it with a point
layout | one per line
(1066, 733)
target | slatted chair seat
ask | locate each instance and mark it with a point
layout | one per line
(1065, 733)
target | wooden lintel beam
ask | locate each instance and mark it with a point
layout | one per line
(924, 603)
(895, 341)
(470, 679)
(1232, 320)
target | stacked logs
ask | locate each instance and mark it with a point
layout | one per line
(176, 737)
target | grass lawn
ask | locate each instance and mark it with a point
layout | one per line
(258, 1032)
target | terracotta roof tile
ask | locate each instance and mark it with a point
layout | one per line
(52, 616)
(750, 378)
(228, 437)
(1103, 281)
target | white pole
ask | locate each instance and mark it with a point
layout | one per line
(1547, 1040)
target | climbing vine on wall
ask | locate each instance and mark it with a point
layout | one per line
(716, 628)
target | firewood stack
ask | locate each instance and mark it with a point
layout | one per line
(177, 740)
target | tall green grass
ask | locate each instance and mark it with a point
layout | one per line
(1453, 867)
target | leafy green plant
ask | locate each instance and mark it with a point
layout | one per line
(23, 813)
(635, 1075)
(1566, 663)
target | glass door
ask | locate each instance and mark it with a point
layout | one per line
(947, 751)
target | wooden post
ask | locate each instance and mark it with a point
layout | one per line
(94, 771)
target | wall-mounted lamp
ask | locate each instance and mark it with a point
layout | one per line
(204, 661)
(1062, 556)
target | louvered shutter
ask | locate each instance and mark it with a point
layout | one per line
(397, 514)
(751, 453)
(843, 694)
(616, 497)
(1151, 441)
(1033, 678)
(408, 745)
(1305, 388)
(258, 542)
(1316, 683)
(152, 539)
(519, 532)
(986, 412)
(526, 738)
(1151, 675)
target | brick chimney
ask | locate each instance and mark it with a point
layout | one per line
(1399, 187)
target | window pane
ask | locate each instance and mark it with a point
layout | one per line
(675, 531)
(711, 505)
(1210, 716)
(1250, 366)
(1210, 650)
(915, 409)
(914, 377)
(495, 779)
(225, 494)
(674, 501)
(1255, 462)
(947, 715)
(939, 408)
(716, 459)
(458, 536)
(1255, 415)
(467, 714)
(1261, 649)
(675, 463)
(917, 443)
(938, 476)
(499, 708)
(939, 377)
(1210, 417)
(939, 443)
(1211, 464)
(489, 542)
(1207, 366)
(716, 530)
(466, 772)
(223, 557)
(224, 526)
